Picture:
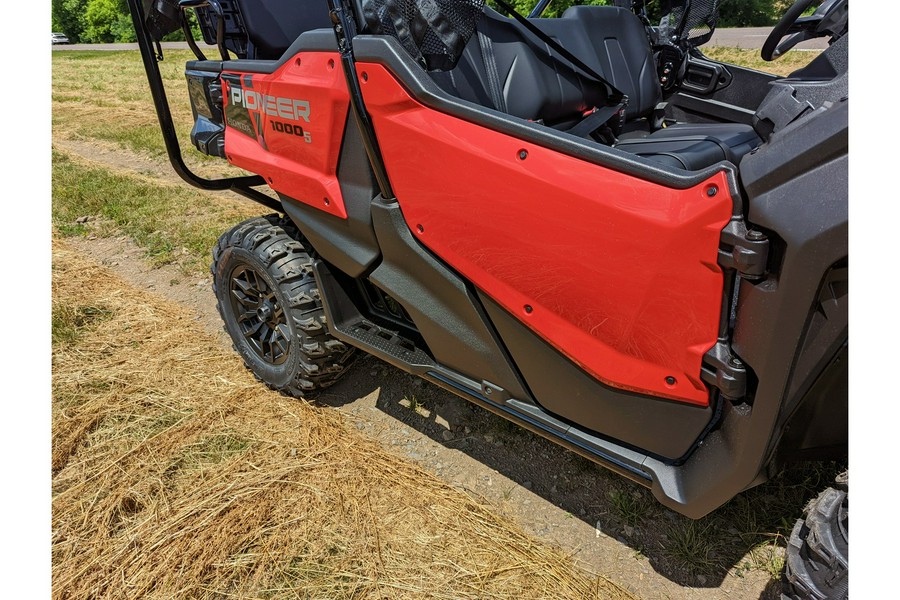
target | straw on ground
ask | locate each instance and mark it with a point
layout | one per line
(176, 475)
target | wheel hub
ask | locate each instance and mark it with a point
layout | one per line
(261, 320)
(264, 312)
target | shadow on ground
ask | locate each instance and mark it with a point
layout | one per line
(748, 533)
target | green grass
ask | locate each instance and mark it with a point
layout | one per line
(750, 59)
(69, 323)
(630, 506)
(212, 450)
(105, 96)
(751, 531)
(414, 404)
(173, 223)
(695, 545)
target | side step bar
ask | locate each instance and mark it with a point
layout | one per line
(347, 324)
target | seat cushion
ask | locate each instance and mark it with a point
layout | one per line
(694, 146)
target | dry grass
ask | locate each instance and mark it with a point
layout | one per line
(173, 222)
(176, 475)
(103, 97)
(750, 59)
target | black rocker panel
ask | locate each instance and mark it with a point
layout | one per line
(664, 428)
(348, 244)
(443, 309)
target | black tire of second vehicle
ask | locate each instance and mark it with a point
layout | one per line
(270, 246)
(816, 564)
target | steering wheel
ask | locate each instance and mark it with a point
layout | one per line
(829, 19)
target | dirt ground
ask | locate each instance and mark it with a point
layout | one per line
(552, 493)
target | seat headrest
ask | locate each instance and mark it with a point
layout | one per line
(434, 32)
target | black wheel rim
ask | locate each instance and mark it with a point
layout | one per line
(259, 316)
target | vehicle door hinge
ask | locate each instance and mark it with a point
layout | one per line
(725, 371)
(746, 251)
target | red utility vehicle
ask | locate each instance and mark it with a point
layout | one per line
(580, 223)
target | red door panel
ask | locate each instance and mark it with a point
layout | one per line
(287, 126)
(617, 273)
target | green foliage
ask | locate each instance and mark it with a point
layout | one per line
(748, 13)
(68, 17)
(100, 21)
(93, 21)
(555, 9)
(123, 29)
(733, 13)
(100, 17)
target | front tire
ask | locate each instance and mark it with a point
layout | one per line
(816, 563)
(267, 297)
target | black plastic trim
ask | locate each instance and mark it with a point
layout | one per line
(713, 110)
(797, 187)
(439, 303)
(347, 324)
(316, 40)
(664, 428)
(345, 32)
(348, 244)
(743, 88)
(718, 76)
(615, 458)
(818, 428)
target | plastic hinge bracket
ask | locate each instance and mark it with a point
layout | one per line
(746, 251)
(724, 371)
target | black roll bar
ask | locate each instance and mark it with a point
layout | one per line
(539, 9)
(241, 185)
(344, 25)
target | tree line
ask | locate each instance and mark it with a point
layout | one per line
(100, 21)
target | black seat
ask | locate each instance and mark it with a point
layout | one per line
(625, 58)
(273, 25)
(694, 146)
(614, 43)
(531, 83)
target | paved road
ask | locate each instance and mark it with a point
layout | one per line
(749, 37)
(165, 45)
(753, 37)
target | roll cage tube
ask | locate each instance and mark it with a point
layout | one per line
(539, 9)
(344, 23)
(242, 185)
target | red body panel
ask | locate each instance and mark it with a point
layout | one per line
(617, 273)
(304, 170)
